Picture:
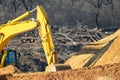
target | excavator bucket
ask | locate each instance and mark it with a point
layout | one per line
(57, 67)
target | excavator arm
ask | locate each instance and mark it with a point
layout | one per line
(46, 37)
(47, 42)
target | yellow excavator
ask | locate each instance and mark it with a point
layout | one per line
(18, 26)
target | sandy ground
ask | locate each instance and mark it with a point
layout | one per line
(106, 72)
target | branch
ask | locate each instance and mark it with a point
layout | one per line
(99, 4)
(111, 3)
(23, 1)
(93, 3)
(67, 37)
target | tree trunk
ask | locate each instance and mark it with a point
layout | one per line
(97, 18)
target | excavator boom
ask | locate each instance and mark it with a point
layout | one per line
(8, 31)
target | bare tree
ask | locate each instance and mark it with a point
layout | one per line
(97, 5)
(24, 3)
(110, 2)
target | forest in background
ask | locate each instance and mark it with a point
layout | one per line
(93, 13)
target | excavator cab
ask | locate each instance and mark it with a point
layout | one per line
(8, 57)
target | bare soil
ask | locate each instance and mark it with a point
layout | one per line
(106, 72)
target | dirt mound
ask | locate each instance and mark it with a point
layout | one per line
(7, 70)
(112, 55)
(106, 72)
(105, 51)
